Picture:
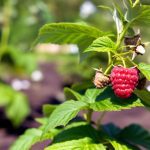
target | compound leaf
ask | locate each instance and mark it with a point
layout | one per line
(102, 44)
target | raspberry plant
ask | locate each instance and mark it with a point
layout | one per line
(58, 124)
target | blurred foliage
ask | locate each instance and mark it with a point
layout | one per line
(23, 18)
(15, 104)
(68, 66)
(20, 61)
(61, 13)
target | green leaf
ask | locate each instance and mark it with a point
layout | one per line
(48, 109)
(81, 88)
(137, 135)
(132, 13)
(144, 16)
(30, 137)
(81, 144)
(102, 44)
(64, 113)
(14, 102)
(139, 15)
(143, 95)
(120, 146)
(18, 104)
(144, 69)
(6, 94)
(42, 120)
(68, 33)
(77, 130)
(71, 94)
(91, 95)
(107, 101)
(145, 2)
(111, 130)
(106, 8)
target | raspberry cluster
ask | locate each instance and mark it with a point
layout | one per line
(124, 81)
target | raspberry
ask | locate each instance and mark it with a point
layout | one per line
(124, 81)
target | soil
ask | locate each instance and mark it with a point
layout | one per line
(50, 90)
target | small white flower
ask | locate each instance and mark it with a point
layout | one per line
(20, 84)
(140, 49)
(86, 9)
(37, 76)
(74, 48)
(16, 84)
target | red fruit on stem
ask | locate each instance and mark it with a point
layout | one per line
(124, 81)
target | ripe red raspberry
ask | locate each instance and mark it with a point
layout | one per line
(124, 81)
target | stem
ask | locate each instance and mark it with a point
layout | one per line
(5, 28)
(122, 54)
(99, 120)
(4, 39)
(135, 3)
(109, 58)
(121, 36)
(131, 3)
(123, 61)
(126, 53)
(108, 68)
(131, 61)
(89, 115)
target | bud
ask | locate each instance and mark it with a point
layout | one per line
(132, 41)
(100, 79)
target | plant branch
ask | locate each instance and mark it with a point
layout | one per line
(123, 61)
(108, 68)
(89, 115)
(121, 36)
(131, 61)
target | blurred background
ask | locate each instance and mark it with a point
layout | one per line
(30, 78)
